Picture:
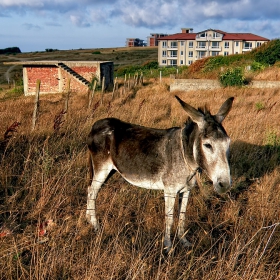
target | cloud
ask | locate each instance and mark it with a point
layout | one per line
(145, 13)
(79, 21)
(30, 26)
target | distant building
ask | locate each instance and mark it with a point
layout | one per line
(152, 41)
(134, 42)
(55, 74)
(186, 47)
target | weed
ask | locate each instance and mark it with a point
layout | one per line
(232, 77)
(259, 106)
(272, 139)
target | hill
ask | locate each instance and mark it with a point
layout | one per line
(120, 57)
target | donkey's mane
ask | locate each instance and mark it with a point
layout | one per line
(204, 110)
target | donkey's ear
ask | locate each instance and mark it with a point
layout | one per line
(224, 110)
(194, 114)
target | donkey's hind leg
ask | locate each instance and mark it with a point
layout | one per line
(97, 181)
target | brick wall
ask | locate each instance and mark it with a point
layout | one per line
(54, 79)
(48, 76)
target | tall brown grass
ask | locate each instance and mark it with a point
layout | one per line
(43, 177)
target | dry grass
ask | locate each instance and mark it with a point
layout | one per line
(43, 178)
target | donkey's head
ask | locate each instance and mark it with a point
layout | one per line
(211, 144)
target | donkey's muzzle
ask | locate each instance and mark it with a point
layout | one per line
(222, 186)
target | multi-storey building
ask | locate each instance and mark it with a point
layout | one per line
(134, 42)
(152, 40)
(186, 47)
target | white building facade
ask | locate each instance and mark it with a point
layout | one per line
(186, 47)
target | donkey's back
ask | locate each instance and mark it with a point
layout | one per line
(140, 154)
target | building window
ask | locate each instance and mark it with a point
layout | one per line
(164, 53)
(216, 35)
(173, 53)
(202, 35)
(259, 44)
(164, 44)
(202, 45)
(190, 53)
(215, 53)
(201, 54)
(215, 45)
(182, 43)
(182, 62)
(226, 53)
(226, 45)
(190, 62)
(182, 52)
(163, 61)
(173, 62)
(247, 45)
(174, 45)
(236, 44)
(190, 44)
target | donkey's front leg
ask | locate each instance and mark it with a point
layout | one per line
(93, 189)
(183, 201)
(169, 199)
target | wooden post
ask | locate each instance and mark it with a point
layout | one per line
(141, 81)
(160, 76)
(115, 87)
(103, 89)
(92, 94)
(36, 105)
(68, 90)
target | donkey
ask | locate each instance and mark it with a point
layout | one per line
(161, 159)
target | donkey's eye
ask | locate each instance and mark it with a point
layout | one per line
(208, 146)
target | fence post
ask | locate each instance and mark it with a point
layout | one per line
(141, 81)
(68, 90)
(160, 75)
(92, 94)
(115, 87)
(36, 105)
(103, 89)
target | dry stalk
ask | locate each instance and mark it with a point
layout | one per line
(58, 121)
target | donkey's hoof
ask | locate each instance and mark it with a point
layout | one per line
(185, 243)
(91, 220)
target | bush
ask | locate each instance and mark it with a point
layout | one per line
(257, 66)
(150, 65)
(268, 53)
(232, 77)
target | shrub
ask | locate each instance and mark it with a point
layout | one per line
(257, 66)
(150, 65)
(232, 77)
(268, 53)
(96, 52)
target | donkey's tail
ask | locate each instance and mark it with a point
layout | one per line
(90, 168)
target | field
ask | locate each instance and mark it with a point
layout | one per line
(43, 192)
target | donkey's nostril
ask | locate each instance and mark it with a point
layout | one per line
(221, 185)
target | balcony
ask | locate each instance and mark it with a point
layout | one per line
(171, 57)
(215, 49)
(201, 48)
(246, 49)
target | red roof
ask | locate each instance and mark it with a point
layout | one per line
(179, 36)
(227, 36)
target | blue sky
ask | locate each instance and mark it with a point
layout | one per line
(35, 25)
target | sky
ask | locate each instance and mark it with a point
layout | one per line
(37, 25)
